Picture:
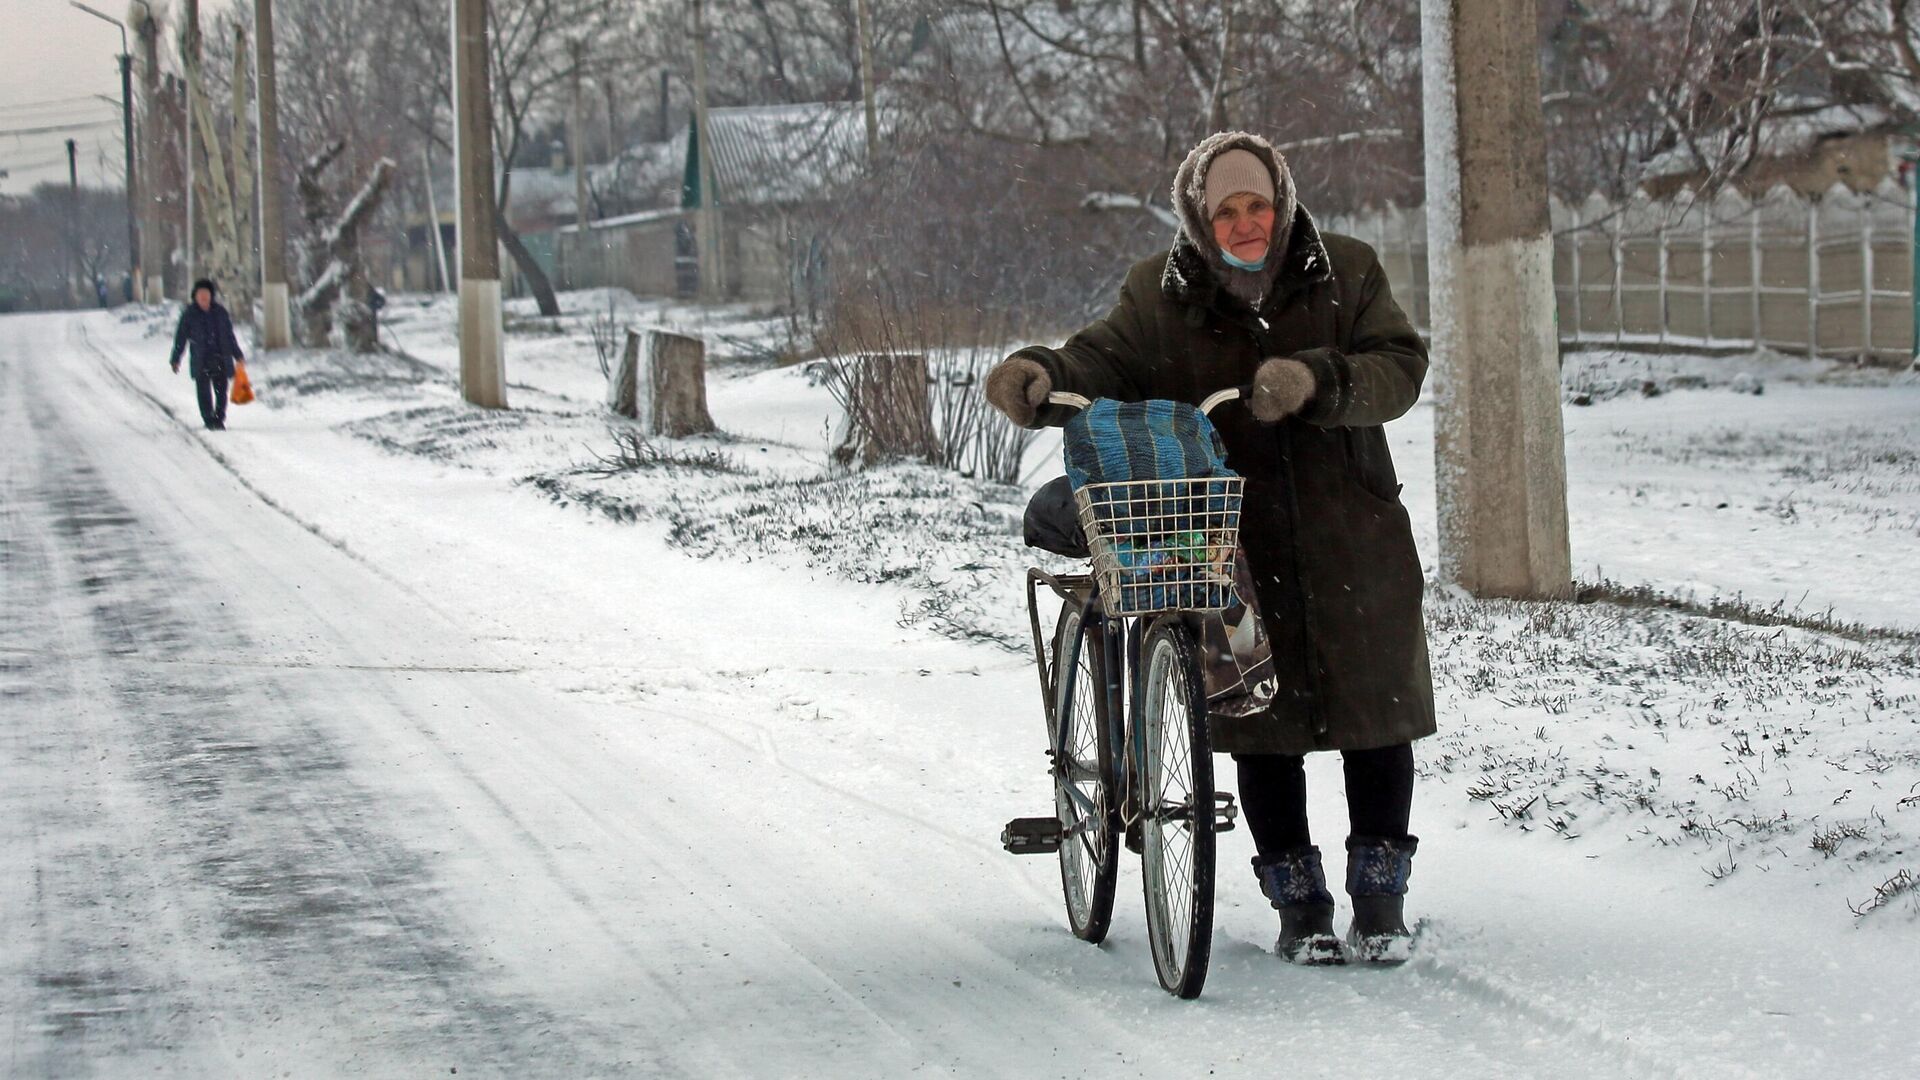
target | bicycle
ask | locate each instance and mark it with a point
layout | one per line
(1126, 709)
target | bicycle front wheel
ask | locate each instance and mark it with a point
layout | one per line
(1176, 806)
(1083, 771)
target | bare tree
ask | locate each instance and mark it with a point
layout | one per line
(47, 220)
(224, 166)
(328, 251)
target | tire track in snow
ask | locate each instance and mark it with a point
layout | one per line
(234, 827)
(106, 366)
(1432, 962)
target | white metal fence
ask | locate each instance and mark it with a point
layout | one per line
(1831, 276)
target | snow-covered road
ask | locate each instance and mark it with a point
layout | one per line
(316, 762)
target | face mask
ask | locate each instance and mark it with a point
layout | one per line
(1242, 264)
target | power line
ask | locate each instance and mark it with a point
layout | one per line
(86, 117)
(43, 163)
(58, 128)
(50, 103)
(52, 116)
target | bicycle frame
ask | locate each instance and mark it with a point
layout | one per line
(1120, 640)
(1126, 793)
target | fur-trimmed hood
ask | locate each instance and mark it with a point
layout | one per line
(1195, 270)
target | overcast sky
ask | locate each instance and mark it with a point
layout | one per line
(54, 60)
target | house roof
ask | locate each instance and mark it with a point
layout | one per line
(1786, 135)
(639, 217)
(777, 155)
(537, 195)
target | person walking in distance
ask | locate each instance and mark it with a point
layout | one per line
(206, 333)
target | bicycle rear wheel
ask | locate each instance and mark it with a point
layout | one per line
(1176, 804)
(1083, 772)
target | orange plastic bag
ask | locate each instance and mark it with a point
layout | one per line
(242, 391)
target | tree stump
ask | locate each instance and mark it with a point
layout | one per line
(888, 408)
(623, 380)
(661, 380)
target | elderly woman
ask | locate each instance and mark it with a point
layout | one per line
(205, 331)
(1253, 293)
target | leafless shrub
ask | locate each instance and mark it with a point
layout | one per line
(974, 438)
(952, 425)
(607, 338)
(1827, 841)
(634, 451)
(1885, 893)
(884, 396)
(1721, 871)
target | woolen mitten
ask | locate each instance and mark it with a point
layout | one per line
(1018, 387)
(1281, 388)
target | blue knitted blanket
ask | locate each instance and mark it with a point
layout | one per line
(1111, 441)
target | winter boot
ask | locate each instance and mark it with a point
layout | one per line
(1297, 887)
(1377, 872)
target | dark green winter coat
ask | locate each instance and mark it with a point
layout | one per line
(1325, 534)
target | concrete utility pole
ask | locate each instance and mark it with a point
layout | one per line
(483, 366)
(134, 270)
(153, 258)
(190, 59)
(577, 137)
(73, 223)
(276, 330)
(1499, 448)
(865, 19)
(666, 132)
(126, 134)
(433, 216)
(713, 276)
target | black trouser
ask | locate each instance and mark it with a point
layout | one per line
(212, 390)
(1273, 796)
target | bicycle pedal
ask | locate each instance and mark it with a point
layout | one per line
(1136, 837)
(1031, 836)
(1225, 813)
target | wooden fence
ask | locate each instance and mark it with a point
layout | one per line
(1830, 276)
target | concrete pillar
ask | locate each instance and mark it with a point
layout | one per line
(483, 368)
(135, 272)
(706, 218)
(1499, 447)
(190, 61)
(153, 248)
(276, 329)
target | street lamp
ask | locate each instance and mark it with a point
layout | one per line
(134, 269)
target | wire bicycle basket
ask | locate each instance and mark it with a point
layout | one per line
(1162, 545)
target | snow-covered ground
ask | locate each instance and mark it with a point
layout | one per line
(378, 734)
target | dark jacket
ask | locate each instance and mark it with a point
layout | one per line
(208, 335)
(1325, 534)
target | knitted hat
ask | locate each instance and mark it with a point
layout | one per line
(1233, 172)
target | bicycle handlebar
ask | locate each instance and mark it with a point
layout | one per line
(1213, 401)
